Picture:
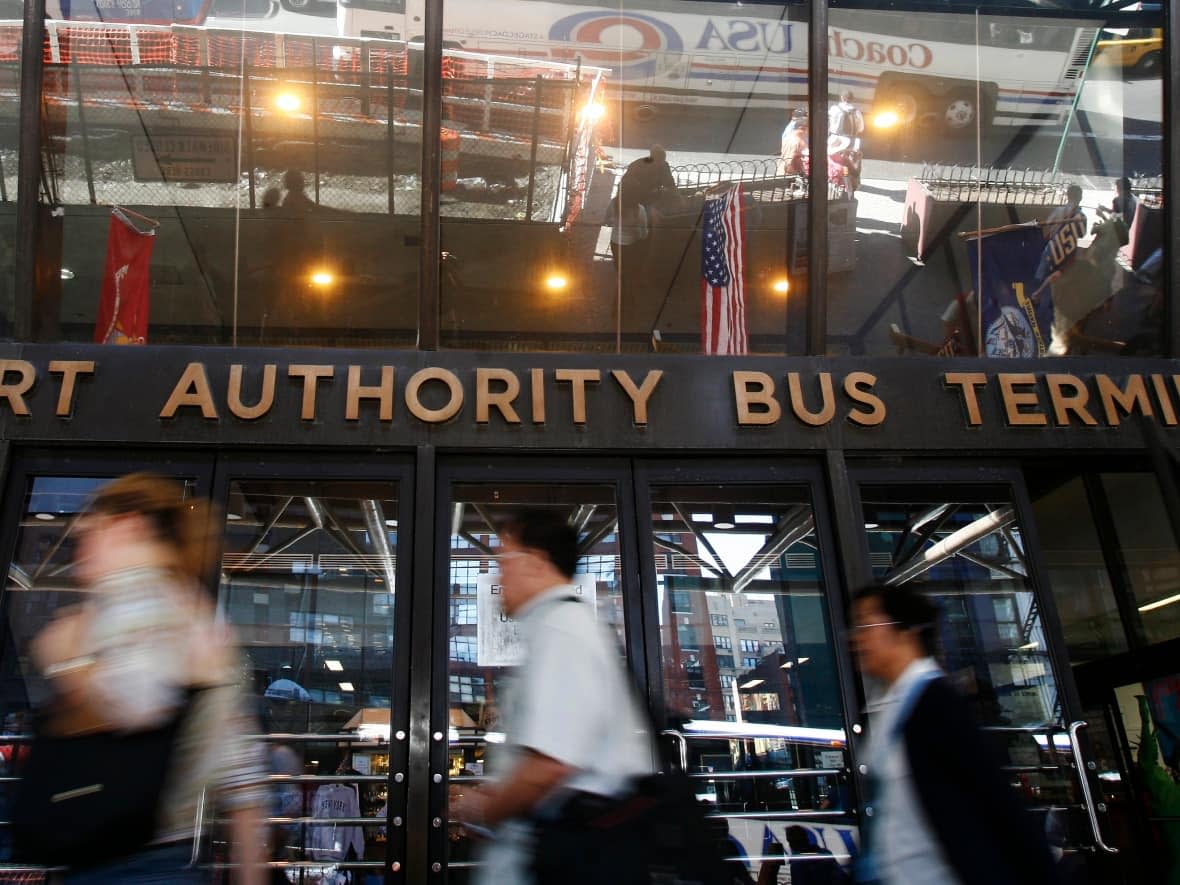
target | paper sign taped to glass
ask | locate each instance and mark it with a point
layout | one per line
(498, 641)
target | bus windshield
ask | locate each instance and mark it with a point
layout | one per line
(138, 12)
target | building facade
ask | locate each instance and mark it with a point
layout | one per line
(371, 275)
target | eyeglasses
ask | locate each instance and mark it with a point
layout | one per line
(856, 627)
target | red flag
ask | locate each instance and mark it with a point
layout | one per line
(723, 289)
(123, 304)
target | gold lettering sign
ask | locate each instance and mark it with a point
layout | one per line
(69, 370)
(382, 392)
(827, 408)
(266, 398)
(311, 376)
(1015, 400)
(502, 399)
(858, 387)
(1128, 399)
(578, 379)
(1074, 402)
(967, 382)
(446, 412)
(15, 392)
(192, 390)
(641, 394)
(755, 389)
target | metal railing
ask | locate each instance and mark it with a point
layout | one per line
(988, 184)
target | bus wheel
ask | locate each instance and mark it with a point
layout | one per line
(296, 5)
(960, 112)
(645, 112)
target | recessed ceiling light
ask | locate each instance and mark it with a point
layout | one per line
(67, 274)
(753, 683)
(392, 523)
(804, 660)
(334, 666)
(233, 516)
(872, 525)
(45, 516)
(346, 686)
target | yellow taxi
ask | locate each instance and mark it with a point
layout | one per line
(1138, 51)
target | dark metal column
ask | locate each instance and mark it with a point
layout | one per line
(426, 756)
(1171, 169)
(28, 176)
(817, 179)
(430, 253)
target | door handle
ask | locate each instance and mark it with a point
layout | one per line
(1087, 796)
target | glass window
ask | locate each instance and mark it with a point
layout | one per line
(1008, 188)
(1078, 577)
(1147, 548)
(574, 218)
(966, 552)
(266, 166)
(722, 642)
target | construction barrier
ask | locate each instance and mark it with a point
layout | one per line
(451, 142)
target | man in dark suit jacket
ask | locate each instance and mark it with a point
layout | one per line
(940, 811)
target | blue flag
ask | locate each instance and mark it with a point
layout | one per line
(1016, 308)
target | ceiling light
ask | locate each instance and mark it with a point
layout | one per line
(67, 274)
(1159, 603)
(753, 683)
(322, 278)
(334, 666)
(781, 285)
(723, 518)
(45, 516)
(886, 119)
(392, 523)
(872, 525)
(556, 282)
(346, 686)
(233, 516)
(702, 517)
(787, 666)
(804, 660)
(1031, 646)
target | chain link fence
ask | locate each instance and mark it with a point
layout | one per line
(197, 117)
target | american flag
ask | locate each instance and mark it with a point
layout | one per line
(723, 290)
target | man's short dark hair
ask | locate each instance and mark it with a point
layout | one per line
(548, 532)
(908, 608)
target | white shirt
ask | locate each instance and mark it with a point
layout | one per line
(905, 848)
(570, 700)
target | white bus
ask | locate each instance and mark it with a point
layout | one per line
(922, 66)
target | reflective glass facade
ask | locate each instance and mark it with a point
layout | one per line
(538, 175)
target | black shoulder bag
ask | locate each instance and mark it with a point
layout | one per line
(90, 798)
(657, 832)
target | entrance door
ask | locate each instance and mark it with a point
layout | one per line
(313, 577)
(715, 584)
(965, 539)
(1112, 559)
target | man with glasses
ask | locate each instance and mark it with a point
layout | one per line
(938, 811)
(573, 728)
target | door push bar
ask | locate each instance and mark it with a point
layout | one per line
(1084, 780)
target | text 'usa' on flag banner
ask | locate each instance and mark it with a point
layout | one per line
(1016, 309)
(123, 304)
(723, 285)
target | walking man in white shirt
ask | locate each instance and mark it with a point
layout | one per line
(572, 723)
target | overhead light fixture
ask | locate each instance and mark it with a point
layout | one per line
(1160, 603)
(886, 119)
(233, 517)
(804, 660)
(787, 666)
(392, 523)
(44, 516)
(334, 666)
(753, 683)
(322, 278)
(288, 102)
(346, 686)
(723, 518)
(67, 274)
(1032, 646)
(556, 282)
(781, 285)
(701, 517)
(872, 525)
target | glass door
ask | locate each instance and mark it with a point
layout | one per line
(967, 543)
(744, 620)
(479, 639)
(313, 566)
